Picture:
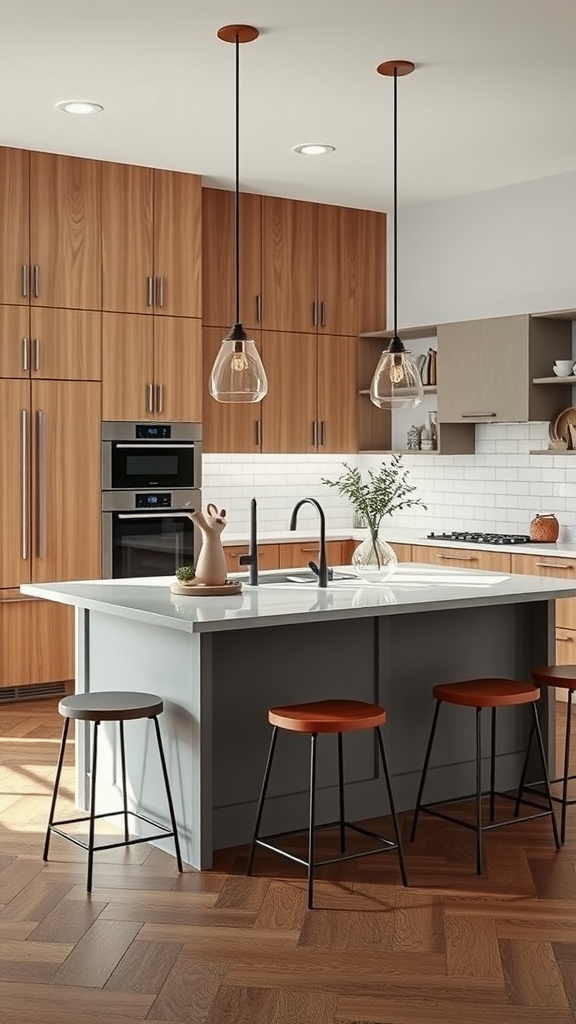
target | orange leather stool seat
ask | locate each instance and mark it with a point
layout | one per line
(487, 693)
(328, 716)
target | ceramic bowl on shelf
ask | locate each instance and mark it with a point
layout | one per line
(563, 369)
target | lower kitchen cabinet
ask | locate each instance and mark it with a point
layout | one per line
(267, 557)
(297, 555)
(464, 558)
(403, 552)
(562, 568)
(565, 646)
(36, 641)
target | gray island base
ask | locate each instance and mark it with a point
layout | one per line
(220, 663)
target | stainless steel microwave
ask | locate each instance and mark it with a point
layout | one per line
(150, 456)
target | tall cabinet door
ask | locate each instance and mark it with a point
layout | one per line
(65, 231)
(178, 368)
(15, 349)
(337, 394)
(127, 367)
(66, 480)
(14, 225)
(218, 280)
(227, 427)
(289, 422)
(177, 243)
(15, 439)
(289, 265)
(351, 270)
(127, 238)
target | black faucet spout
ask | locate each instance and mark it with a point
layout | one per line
(251, 559)
(323, 564)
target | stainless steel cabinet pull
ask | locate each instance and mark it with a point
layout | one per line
(322, 432)
(257, 426)
(468, 415)
(36, 353)
(555, 565)
(25, 279)
(160, 292)
(259, 309)
(41, 481)
(150, 293)
(36, 281)
(25, 353)
(460, 558)
(314, 314)
(310, 547)
(159, 398)
(25, 484)
(314, 433)
(149, 398)
(564, 639)
(322, 314)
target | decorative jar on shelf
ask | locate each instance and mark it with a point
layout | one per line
(374, 560)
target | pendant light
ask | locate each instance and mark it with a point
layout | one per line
(238, 374)
(396, 383)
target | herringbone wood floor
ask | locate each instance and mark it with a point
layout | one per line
(219, 947)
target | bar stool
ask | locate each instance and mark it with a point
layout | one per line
(113, 706)
(326, 716)
(563, 677)
(479, 694)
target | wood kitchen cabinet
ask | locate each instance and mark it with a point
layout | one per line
(403, 552)
(151, 368)
(36, 641)
(50, 230)
(227, 426)
(53, 344)
(218, 279)
(296, 555)
(151, 241)
(463, 558)
(561, 568)
(323, 268)
(486, 368)
(267, 557)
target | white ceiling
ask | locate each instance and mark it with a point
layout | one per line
(491, 102)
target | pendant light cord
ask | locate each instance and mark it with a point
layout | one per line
(237, 188)
(395, 202)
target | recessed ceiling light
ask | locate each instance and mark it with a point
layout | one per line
(313, 149)
(79, 107)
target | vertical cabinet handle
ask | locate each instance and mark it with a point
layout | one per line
(25, 354)
(41, 481)
(25, 482)
(36, 280)
(149, 398)
(314, 314)
(150, 291)
(322, 432)
(159, 398)
(36, 353)
(25, 279)
(258, 309)
(160, 292)
(314, 433)
(322, 314)
(257, 432)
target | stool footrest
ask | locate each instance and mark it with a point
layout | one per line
(385, 844)
(430, 809)
(162, 834)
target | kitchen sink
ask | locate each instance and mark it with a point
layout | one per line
(299, 577)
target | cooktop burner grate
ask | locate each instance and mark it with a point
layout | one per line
(482, 538)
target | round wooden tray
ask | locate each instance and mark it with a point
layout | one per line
(201, 590)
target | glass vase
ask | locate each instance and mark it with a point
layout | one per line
(374, 560)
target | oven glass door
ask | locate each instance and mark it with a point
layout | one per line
(150, 543)
(145, 464)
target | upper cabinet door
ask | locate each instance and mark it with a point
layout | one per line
(127, 238)
(289, 422)
(289, 265)
(15, 348)
(65, 344)
(351, 270)
(218, 279)
(337, 398)
(227, 426)
(177, 244)
(65, 234)
(178, 369)
(127, 367)
(14, 226)
(15, 442)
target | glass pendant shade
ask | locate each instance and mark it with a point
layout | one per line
(396, 383)
(238, 374)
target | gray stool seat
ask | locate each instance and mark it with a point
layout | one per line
(110, 706)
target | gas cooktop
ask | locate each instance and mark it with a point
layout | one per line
(483, 538)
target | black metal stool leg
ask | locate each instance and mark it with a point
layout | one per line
(392, 807)
(341, 794)
(424, 771)
(256, 835)
(56, 787)
(492, 764)
(538, 732)
(478, 791)
(168, 794)
(313, 738)
(524, 771)
(92, 807)
(566, 767)
(123, 767)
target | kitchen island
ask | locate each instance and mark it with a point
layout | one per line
(220, 663)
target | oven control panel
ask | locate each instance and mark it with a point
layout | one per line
(153, 500)
(153, 431)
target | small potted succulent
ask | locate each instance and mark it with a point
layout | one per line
(384, 492)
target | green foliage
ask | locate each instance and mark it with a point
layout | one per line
(185, 573)
(384, 492)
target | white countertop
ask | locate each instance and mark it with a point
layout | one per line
(412, 588)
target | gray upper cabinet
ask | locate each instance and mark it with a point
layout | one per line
(486, 368)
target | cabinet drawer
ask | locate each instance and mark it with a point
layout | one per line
(565, 646)
(267, 557)
(494, 561)
(403, 552)
(296, 556)
(559, 568)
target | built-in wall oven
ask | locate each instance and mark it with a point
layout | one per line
(151, 476)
